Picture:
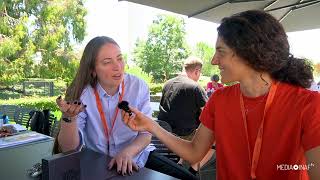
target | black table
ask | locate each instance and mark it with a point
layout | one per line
(88, 165)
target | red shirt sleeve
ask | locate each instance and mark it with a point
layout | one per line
(207, 114)
(311, 122)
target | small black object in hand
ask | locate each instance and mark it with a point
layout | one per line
(124, 105)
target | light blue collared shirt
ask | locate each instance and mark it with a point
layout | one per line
(91, 129)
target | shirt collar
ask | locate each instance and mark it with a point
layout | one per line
(103, 93)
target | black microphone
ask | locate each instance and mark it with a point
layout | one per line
(124, 105)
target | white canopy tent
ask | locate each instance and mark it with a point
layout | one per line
(295, 15)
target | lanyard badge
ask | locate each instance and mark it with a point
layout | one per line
(257, 146)
(102, 115)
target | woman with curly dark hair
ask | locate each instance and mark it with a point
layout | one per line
(271, 128)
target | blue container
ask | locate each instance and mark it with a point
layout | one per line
(1, 120)
(5, 119)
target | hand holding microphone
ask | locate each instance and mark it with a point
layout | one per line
(124, 105)
(138, 121)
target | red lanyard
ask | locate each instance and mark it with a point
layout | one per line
(257, 146)
(102, 115)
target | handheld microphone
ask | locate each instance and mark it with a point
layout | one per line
(124, 105)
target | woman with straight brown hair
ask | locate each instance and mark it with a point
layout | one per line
(90, 114)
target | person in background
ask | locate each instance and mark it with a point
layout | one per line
(213, 85)
(90, 114)
(314, 86)
(271, 129)
(181, 101)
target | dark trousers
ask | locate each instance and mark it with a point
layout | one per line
(164, 165)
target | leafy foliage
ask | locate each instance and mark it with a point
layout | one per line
(137, 71)
(206, 52)
(39, 30)
(317, 69)
(155, 88)
(162, 53)
(34, 102)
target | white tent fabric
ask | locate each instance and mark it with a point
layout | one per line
(295, 15)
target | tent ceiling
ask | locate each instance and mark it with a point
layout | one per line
(295, 15)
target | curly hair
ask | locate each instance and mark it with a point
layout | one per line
(261, 41)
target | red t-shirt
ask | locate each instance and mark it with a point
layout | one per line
(292, 127)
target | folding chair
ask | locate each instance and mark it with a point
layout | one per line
(23, 115)
(160, 147)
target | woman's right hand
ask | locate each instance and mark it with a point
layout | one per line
(70, 109)
(138, 121)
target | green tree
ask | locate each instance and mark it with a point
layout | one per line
(316, 70)
(137, 71)
(37, 29)
(206, 52)
(162, 54)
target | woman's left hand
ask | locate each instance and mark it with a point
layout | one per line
(124, 162)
